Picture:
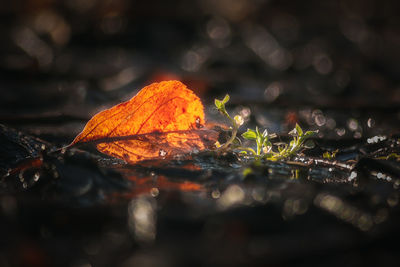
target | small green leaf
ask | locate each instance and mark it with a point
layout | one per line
(259, 140)
(309, 134)
(269, 156)
(299, 130)
(293, 132)
(292, 143)
(309, 144)
(265, 133)
(226, 99)
(258, 131)
(391, 156)
(267, 149)
(250, 134)
(218, 104)
(327, 155)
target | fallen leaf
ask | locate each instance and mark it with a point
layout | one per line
(162, 120)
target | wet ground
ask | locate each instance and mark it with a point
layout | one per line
(329, 66)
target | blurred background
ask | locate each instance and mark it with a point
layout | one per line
(331, 65)
(334, 52)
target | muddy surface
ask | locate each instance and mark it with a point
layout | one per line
(331, 66)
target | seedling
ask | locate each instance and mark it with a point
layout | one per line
(330, 155)
(261, 139)
(264, 147)
(237, 121)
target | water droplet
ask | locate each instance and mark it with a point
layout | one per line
(21, 176)
(352, 176)
(315, 113)
(233, 195)
(245, 112)
(396, 184)
(376, 139)
(258, 194)
(219, 31)
(142, 219)
(352, 124)
(320, 120)
(293, 207)
(36, 176)
(330, 123)
(273, 91)
(357, 135)
(322, 63)
(340, 131)
(239, 120)
(371, 122)
(393, 199)
(162, 153)
(193, 59)
(154, 192)
(364, 222)
(198, 125)
(215, 194)
(381, 216)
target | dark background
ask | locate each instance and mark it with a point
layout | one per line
(330, 65)
(341, 53)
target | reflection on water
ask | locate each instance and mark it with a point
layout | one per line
(233, 195)
(344, 211)
(142, 218)
(153, 185)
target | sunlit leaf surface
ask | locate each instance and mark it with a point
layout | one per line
(162, 120)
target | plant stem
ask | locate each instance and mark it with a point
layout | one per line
(258, 148)
(234, 133)
(247, 149)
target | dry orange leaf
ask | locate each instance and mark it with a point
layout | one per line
(163, 119)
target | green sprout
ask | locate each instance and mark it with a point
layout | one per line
(330, 155)
(261, 139)
(236, 121)
(299, 139)
(264, 147)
